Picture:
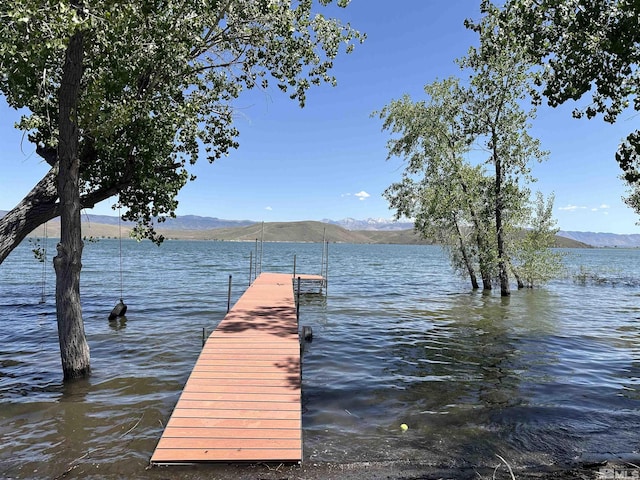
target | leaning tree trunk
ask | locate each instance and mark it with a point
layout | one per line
(485, 263)
(485, 273)
(465, 257)
(74, 350)
(38, 207)
(516, 276)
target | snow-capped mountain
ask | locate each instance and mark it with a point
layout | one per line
(370, 224)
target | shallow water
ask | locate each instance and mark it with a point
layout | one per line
(546, 376)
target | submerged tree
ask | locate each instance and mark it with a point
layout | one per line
(123, 95)
(499, 84)
(439, 190)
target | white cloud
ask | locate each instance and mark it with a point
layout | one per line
(571, 208)
(269, 209)
(362, 195)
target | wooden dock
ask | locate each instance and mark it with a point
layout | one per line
(242, 402)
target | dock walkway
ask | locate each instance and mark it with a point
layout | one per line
(242, 401)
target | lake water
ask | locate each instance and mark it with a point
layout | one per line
(547, 376)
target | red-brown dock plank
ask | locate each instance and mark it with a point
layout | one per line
(178, 455)
(188, 422)
(242, 399)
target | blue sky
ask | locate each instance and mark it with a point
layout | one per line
(328, 160)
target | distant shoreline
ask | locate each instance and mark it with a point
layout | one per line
(348, 230)
(297, 232)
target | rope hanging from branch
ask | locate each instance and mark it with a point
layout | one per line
(120, 309)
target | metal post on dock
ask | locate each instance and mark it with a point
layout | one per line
(229, 295)
(250, 267)
(255, 270)
(261, 246)
(294, 265)
(324, 241)
(298, 301)
(326, 266)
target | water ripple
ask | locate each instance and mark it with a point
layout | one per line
(546, 375)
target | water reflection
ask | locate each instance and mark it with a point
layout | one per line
(119, 323)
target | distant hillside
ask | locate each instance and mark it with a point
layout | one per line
(273, 232)
(347, 230)
(183, 222)
(395, 237)
(370, 230)
(308, 231)
(603, 239)
(563, 242)
(89, 229)
(312, 231)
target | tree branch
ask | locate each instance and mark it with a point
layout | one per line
(38, 207)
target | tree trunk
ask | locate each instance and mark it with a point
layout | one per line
(485, 274)
(74, 350)
(38, 207)
(503, 274)
(517, 277)
(466, 259)
(485, 264)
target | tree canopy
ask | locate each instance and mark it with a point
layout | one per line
(158, 84)
(585, 49)
(439, 190)
(477, 207)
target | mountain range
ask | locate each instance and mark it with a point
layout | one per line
(371, 230)
(601, 239)
(194, 222)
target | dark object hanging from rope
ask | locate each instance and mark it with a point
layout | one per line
(120, 309)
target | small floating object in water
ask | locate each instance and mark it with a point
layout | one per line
(404, 427)
(118, 311)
